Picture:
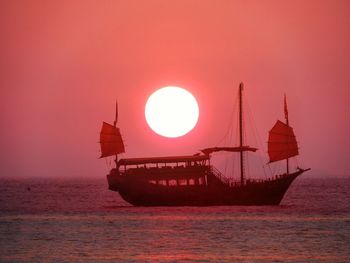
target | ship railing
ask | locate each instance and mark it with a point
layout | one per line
(226, 180)
(162, 170)
(233, 183)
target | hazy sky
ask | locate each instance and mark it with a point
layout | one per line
(63, 64)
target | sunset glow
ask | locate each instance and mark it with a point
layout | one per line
(175, 131)
(171, 112)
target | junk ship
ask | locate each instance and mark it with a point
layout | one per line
(191, 180)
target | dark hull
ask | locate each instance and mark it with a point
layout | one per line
(139, 192)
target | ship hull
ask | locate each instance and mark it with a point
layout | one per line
(139, 192)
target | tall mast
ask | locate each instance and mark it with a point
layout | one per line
(287, 122)
(115, 124)
(241, 131)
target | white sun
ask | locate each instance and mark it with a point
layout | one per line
(171, 111)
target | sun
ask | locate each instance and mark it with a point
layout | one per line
(171, 111)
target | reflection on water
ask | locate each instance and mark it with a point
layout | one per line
(82, 221)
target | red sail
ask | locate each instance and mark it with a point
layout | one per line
(282, 143)
(111, 140)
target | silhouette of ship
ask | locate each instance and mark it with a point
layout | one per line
(192, 180)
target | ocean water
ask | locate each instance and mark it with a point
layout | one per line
(81, 221)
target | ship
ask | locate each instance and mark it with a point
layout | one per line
(192, 180)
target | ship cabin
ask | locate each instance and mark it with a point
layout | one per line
(167, 171)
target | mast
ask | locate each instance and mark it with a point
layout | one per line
(287, 122)
(241, 132)
(115, 124)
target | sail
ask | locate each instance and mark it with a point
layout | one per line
(111, 140)
(228, 149)
(282, 143)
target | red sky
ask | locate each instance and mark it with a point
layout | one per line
(63, 64)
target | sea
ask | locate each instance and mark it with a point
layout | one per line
(80, 220)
